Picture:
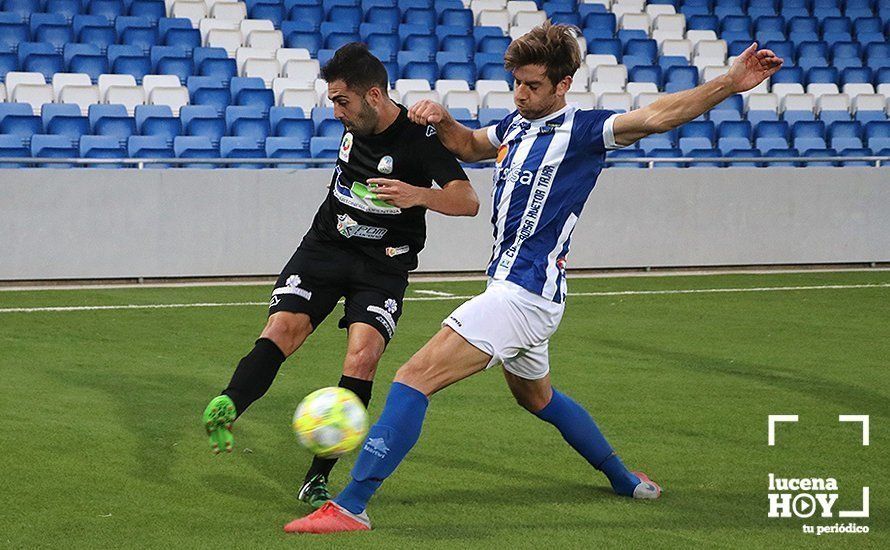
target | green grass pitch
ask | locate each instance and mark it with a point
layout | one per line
(103, 447)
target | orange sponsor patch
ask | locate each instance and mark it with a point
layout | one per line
(502, 153)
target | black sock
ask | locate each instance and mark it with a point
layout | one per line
(254, 374)
(362, 388)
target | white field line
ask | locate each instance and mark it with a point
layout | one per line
(443, 298)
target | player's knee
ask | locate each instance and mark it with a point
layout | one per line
(287, 330)
(361, 362)
(531, 403)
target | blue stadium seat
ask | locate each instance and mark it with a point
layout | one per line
(287, 148)
(12, 147)
(128, 59)
(251, 91)
(681, 78)
(150, 147)
(174, 60)
(325, 123)
(489, 116)
(291, 123)
(822, 75)
(388, 43)
(788, 75)
(195, 147)
(48, 146)
(52, 28)
(158, 120)
(40, 57)
(178, 35)
(12, 32)
(771, 135)
(658, 141)
(203, 121)
(247, 121)
(387, 16)
(425, 70)
(313, 15)
(819, 153)
(647, 49)
(856, 75)
(735, 129)
(792, 117)
(756, 117)
(137, 31)
(877, 135)
(625, 153)
(336, 40)
(271, 10)
(732, 103)
(420, 16)
(458, 17)
(241, 147)
(324, 147)
(419, 47)
(153, 10)
(719, 117)
(64, 119)
(18, 119)
(704, 152)
(209, 91)
(645, 73)
(102, 147)
(93, 29)
(367, 29)
(463, 45)
(727, 144)
(830, 117)
(109, 9)
(744, 153)
(222, 69)
(111, 120)
(783, 153)
(808, 135)
(605, 47)
(85, 58)
(852, 152)
(666, 153)
(493, 44)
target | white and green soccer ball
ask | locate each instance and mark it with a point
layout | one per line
(331, 422)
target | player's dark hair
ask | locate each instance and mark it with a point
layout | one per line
(553, 46)
(357, 67)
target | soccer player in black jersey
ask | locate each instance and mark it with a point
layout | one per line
(363, 242)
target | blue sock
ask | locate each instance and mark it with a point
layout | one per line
(580, 431)
(389, 440)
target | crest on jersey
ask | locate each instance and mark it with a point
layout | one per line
(346, 147)
(502, 153)
(385, 165)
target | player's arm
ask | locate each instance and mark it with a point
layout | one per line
(750, 69)
(466, 144)
(455, 198)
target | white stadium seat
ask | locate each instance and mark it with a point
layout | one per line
(2, 92)
(265, 39)
(515, 6)
(708, 48)
(61, 80)
(106, 81)
(245, 53)
(467, 99)
(782, 89)
(152, 81)
(279, 85)
(593, 60)
(711, 72)
(249, 25)
(267, 69)
(580, 79)
(14, 78)
(174, 97)
(413, 97)
(445, 86)
(284, 55)
(499, 100)
(854, 89)
(635, 21)
(306, 99)
(302, 69)
(207, 25)
(654, 11)
(646, 98)
(610, 73)
(228, 40)
(128, 96)
(581, 100)
(637, 88)
(229, 11)
(680, 48)
(600, 88)
(405, 85)
(833, 102)
(478, 6)
(615, 102)
(821, 88)
(868, 102)
(494, 18)
(193, 11)
(82, 96)
(762, 102)
(528, 19)
(797, 102)
(660, 35)
(33, 94)
(696, 36)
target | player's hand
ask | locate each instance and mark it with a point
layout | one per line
(752, 67)
(396, 192)
(428, 112)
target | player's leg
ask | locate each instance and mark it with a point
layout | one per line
(364, 348)
(304, 295)
(529, 382)
(444, 360)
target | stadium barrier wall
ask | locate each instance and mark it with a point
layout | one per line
(94, 223)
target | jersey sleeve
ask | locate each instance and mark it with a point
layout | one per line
(596, 129)
(438, 162)
(497, 132)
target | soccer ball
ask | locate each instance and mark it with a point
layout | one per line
(331, 422)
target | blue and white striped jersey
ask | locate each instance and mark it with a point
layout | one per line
(546, 169)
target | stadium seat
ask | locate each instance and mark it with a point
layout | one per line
(324, 147)
(291, 122)
(173, 60)
(203, 121)
(11, 146)
(247, 121)
(64, 120)
(158, 121)
(195, 147)
(102, 147)
(129, 59)
(284, 147)
(210, 91)
(251, 91)
(112, 120)
(49, 146)
(241, 147)
(18, 119)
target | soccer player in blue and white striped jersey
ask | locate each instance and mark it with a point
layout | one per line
(548, 155)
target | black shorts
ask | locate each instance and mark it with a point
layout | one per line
(319, 274)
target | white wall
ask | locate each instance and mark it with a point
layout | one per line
(89, 223)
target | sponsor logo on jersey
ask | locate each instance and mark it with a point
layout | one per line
(532, 213)
(385, 166)
(391, 305)
(358, 196)
(396, 250)
(346, 147)
(516, 175)
(351, 228)
(376, 446)
(430, 130)
(502, 153)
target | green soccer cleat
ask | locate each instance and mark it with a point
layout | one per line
(218, 418)
(314, 492)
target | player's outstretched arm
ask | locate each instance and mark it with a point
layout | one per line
(749, 69)
(468, 145)
(455, 198)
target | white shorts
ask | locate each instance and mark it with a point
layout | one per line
(512, 325)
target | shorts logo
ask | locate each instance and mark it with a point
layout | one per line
(376, 446)
(391, 305)
(430, 130)
(456, 321)
(385, 318)
(385, 166)
(274, 301)
(346, 147)
(392, 251)
(351, 228)
(292, 286)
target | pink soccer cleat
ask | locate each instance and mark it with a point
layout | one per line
(330, 518)
(647, 488)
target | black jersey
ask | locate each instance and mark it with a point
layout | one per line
(353, 216)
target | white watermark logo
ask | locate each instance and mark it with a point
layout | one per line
(813, 497)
